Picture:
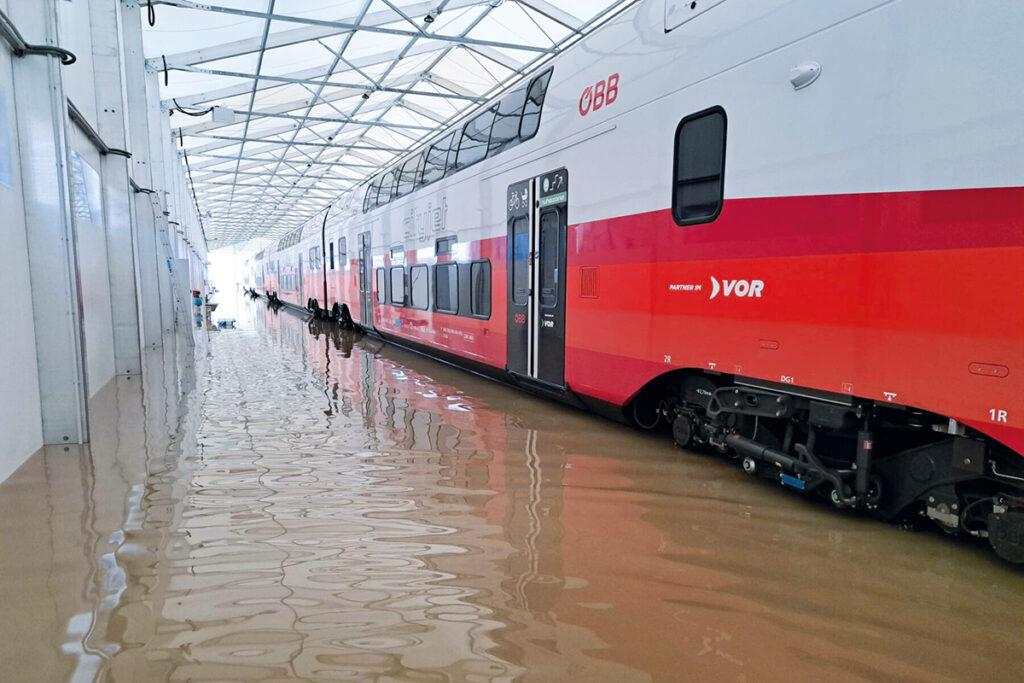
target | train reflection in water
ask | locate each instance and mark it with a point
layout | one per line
(581, 548)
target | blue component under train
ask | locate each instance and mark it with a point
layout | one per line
(792, 481)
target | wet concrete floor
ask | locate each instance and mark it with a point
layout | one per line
(301, 504)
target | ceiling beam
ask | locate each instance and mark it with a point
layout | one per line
(320, 82)
(280, 186)
(347, 26)
(221, 158)
(292, 36)
(553, 13)
(263, 141)
(490, 53)
(200, 128)
(243, 89)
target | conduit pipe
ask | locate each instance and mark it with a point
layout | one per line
(79, 119)
(20, 48)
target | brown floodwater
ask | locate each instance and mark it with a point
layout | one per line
(296, 503)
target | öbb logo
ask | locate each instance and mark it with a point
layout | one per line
(601, 94)
(741, 288)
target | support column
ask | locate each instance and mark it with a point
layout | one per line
(40, 112)
(160, 145)
(146, 206)
(111, 117)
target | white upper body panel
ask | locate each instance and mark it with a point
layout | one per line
(913, 95)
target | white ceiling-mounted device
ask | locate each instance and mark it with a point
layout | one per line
(223, 115)
(803, 74)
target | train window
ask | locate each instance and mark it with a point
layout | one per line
(453, 152)
(480, 294)
(434, 161)
(446, 287)
(505, 131)
(445, 246)
(475, 134)
(407, 178)
(371, 194)
(342, 253)
(419, 287)
(387, 186)
(549, 259)
(534, 103)
(381, 286)
(699, 167)
(521, 261)
(397, 285)
(331, 251)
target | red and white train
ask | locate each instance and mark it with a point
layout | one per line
(791, 229)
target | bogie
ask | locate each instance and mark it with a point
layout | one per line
(885, 461)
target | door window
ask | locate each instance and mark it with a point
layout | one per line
(520, 261)
(549, 258)
(381, 286)
(480, 295)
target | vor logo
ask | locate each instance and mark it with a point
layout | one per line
(742, 288)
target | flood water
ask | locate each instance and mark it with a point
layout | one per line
(302, 504)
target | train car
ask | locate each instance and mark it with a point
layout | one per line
(792, 232)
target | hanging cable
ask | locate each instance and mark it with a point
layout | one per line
(150, 13)
(190, 113)
(164, 59)
(195, 200)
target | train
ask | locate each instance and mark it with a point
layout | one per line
(789, 232)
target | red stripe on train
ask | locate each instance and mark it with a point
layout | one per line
(812, 225)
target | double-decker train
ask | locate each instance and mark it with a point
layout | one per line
(789, 230)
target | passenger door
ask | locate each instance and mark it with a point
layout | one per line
(365, 280)
(537, 225)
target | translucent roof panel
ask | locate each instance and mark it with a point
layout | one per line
(285, 106)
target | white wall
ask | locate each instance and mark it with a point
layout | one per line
(89, 214)
(21, 428)
(83, 258)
